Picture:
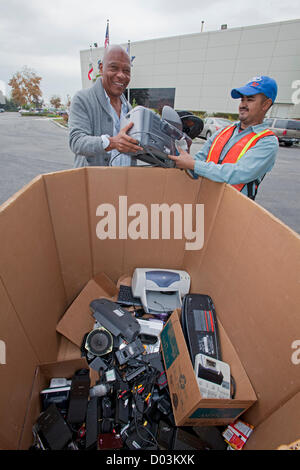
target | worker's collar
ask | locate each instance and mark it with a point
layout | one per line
(257, 128)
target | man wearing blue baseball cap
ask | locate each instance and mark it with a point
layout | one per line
(242, 153)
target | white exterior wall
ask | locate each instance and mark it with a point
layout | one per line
(2, 98)
(204, 67)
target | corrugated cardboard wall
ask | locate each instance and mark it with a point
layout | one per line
(74, 196)
(251, 269)
(32, 299)
(210, 195)
(15, 375)
(68, 205)
(30, 268)
(281, 428)
(141, 186)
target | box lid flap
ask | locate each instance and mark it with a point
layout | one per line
(78, 319)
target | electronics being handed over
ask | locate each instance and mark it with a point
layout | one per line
(158, 136)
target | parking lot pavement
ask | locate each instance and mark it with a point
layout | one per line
(32, 145)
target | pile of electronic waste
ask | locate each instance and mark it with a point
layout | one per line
(129, 407)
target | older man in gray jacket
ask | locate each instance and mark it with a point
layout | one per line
(94, 122)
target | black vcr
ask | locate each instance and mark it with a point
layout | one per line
(200, 326)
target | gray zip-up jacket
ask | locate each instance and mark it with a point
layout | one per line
(90, 118)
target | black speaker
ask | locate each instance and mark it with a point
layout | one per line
(99, 342)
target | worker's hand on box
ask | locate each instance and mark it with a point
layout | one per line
(123, 142)
(184, 160)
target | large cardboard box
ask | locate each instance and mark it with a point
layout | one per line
(49, 250)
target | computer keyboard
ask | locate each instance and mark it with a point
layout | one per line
(125, 297)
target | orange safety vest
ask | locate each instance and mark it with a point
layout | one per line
(236, 151)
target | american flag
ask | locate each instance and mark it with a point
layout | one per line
(106, 42)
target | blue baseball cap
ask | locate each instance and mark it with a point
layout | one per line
(265, 85)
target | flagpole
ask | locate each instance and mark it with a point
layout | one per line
(128, 89)
(91, 66)
(106, 40)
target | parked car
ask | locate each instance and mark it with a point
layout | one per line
(211, 125)
(37, 110)
(61, 112)
(2, 110)
(287, 130)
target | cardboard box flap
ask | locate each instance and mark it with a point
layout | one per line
(78, 319)
(180, 375)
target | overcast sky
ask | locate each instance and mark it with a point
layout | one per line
(47, 35)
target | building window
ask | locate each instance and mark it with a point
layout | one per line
(155, 98)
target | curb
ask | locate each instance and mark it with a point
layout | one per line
(58, 124)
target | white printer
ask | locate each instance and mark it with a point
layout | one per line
(160, 290)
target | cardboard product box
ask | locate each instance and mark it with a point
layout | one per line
(41, 380)
(189, 407)
(50, 250)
